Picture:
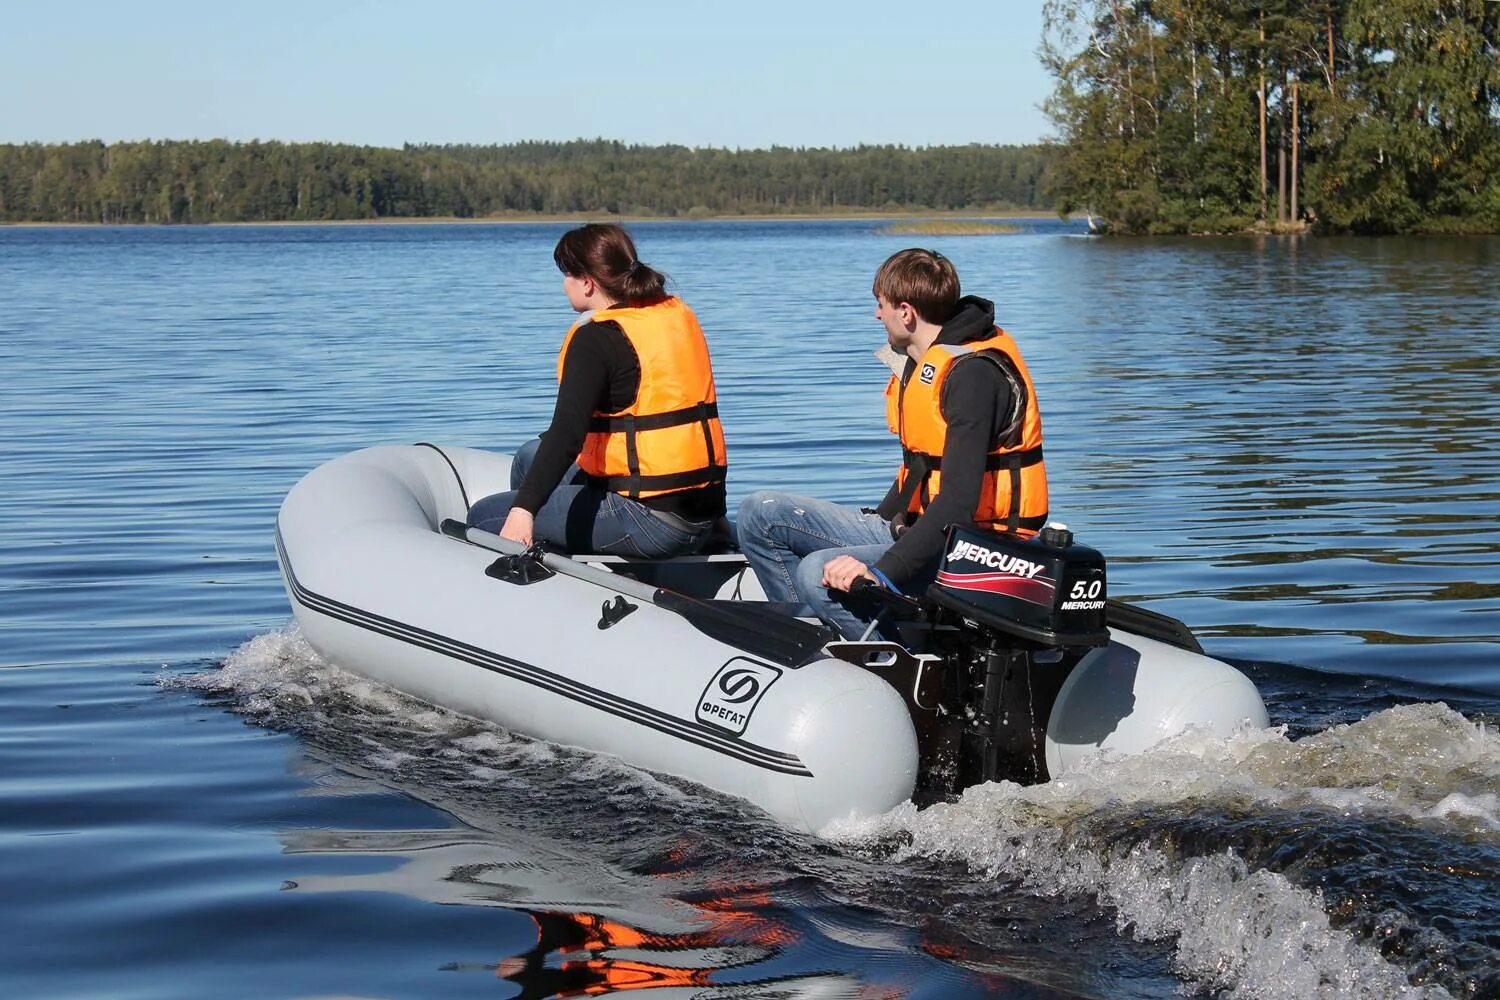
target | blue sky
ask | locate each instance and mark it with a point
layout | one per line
(383, 73)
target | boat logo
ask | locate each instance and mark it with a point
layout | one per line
(731, 696)
(928, 373)
(1004, 574)
(966, 551)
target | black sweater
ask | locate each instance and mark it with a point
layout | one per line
(976, 405)
(601, 372)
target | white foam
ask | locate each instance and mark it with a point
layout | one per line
(279, 675)
(280, 671)
(1402, 762)
(1247, 933)
(1484, 807)
(388, 760)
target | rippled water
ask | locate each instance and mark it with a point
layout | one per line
(1291, 445)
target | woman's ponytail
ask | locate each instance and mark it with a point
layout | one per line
(642, 283)
(606, 253)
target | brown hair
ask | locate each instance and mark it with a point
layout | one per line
(924, 278)
(606, 253)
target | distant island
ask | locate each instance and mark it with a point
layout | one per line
(950, 227)
(1365, 116)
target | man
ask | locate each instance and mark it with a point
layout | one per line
(963, 406)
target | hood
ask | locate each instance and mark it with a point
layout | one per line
(975, 320)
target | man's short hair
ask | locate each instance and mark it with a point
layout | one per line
(925, 279)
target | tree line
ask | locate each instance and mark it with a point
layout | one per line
(224, 181)
(1172, 115)
(1218, 115)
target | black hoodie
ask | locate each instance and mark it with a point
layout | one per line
(976, 405)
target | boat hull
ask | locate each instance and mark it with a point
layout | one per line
(376, 588)
(612, 664)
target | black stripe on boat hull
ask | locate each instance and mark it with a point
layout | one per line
(750, 753)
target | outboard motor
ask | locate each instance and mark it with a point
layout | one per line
(996, 635)
(1048, 591)
(1020, 614)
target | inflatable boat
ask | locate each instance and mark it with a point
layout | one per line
(1014, 666)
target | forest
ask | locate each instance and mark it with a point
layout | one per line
(1373, 116)
(1171, 116)
(223, 181)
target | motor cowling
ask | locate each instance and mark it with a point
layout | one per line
(1048, 590)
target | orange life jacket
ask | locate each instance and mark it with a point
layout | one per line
(669, 438)
(1013, 494)
(600, 935)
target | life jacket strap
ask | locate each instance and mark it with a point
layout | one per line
(918, 471)
(632, 486)
(1032, 524)
(992, 463)
(629, 426)
(654, 421)
(924, 464)
(920, 466)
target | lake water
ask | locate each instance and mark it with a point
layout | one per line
(1293, 445)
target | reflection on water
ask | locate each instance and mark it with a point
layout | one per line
(589, 920)
(585, 943)
(583, 954)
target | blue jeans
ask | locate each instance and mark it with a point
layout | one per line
(581, 519)
(788, 540)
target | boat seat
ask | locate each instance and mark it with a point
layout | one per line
(702, 576)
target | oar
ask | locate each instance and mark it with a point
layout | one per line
(756, 630)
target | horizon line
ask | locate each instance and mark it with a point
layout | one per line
(629, 144)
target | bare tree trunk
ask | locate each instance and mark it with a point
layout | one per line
(1193, 39)
(1296, 147)
(1329, 23)
(1129, 69)
(1155, 83)
(1281, 215)
(1263, 173)
(1280, 182)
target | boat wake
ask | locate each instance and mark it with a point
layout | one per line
(1362, 860)
(1259, 857)
(279, 680)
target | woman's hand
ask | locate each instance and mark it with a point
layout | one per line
(841, 572)
(518, 525)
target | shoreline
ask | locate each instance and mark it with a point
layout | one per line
(1261, 230)
(504, 220)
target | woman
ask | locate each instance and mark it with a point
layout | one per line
(633, 463)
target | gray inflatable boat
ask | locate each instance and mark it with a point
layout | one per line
(679, 666)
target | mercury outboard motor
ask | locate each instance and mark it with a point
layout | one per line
(1048, 591)
(998, 632)
(1022, 612)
